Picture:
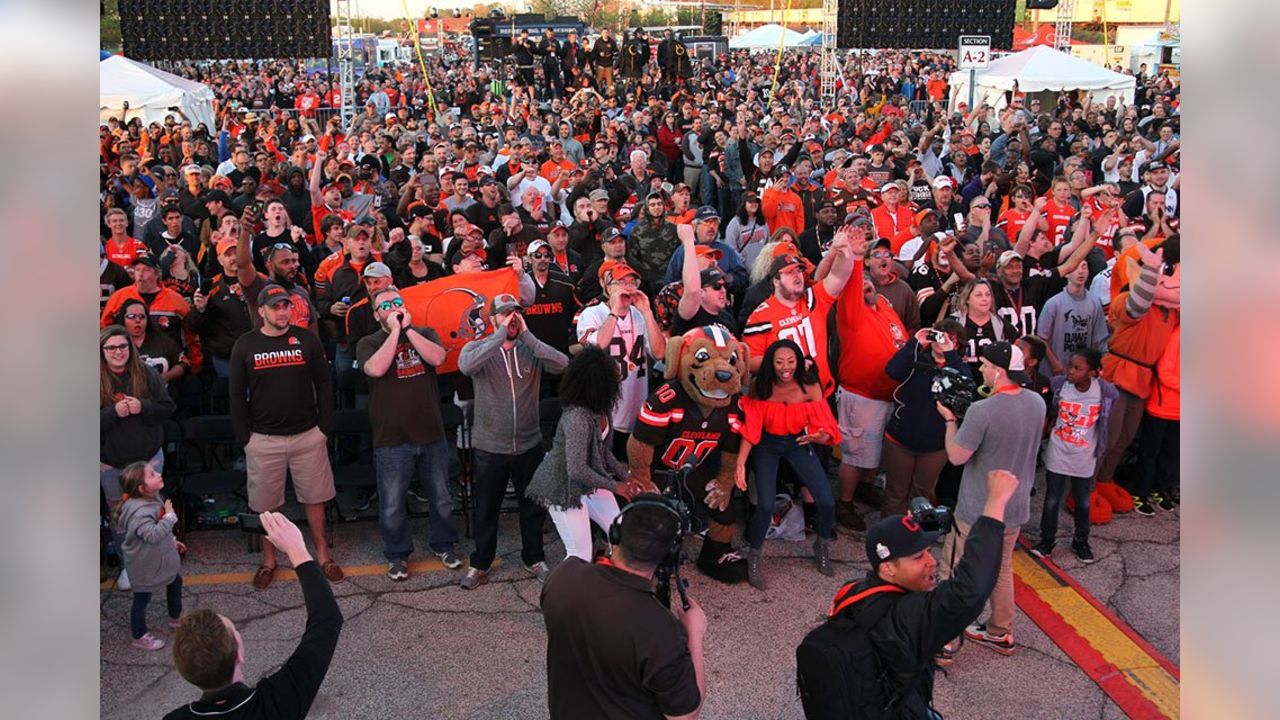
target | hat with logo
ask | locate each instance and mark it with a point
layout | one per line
(226, 244)
(942, 182)
(782, 262)
(1007, 257)
(271, 294)
(1008, 356)
(611, 270)
(503, 303)
(376, 270)
(712, 275)
(610, 234)
(897, 536)
(537, 245)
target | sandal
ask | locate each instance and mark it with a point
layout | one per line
(333, 571)
(263, 577)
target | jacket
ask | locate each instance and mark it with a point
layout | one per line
(288, 692)
(1136, 345)
(580, 462)
(915, 423)
(508, 384)
(223, 320)
(783, 209)
(123, 440)
(1109, 396)
(649, 249)
(920, 623)
(149, 549)
(168, 310)
(1166, 398)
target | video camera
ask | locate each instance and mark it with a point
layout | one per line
(674, 492)
(930, 518)
(954, 390)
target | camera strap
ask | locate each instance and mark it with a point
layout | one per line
(844, 599)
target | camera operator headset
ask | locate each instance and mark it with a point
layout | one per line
(613, 650)
(874, 656)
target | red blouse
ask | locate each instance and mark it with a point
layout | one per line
(780, 418)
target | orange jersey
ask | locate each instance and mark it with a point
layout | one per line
(318, 214)
(551, 170)
(1013, 219)
(1058, 217)
(870, 337)
(804, 323)
(124, 255)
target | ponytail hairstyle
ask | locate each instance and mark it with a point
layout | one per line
(131, 480)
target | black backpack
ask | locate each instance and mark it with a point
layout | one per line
(838, 674)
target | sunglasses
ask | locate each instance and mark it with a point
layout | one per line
(980, 205)
(135, 316)
(718, 285)
(115, 348)
(388, 304)
(541, 256)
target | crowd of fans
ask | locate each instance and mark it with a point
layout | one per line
(856, 246)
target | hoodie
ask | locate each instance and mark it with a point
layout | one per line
(150, 553)
(508, 383)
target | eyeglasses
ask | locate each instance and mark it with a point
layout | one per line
(388, 304)
(135, 316)
(881, 254)
(115, 348)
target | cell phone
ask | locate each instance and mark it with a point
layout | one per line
(937, 336)
(251, 523)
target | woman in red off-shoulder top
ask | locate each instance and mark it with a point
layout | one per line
(785, 415)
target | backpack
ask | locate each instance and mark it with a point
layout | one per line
(838, 674)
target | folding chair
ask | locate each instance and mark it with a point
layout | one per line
(458, 434)
(210, 439)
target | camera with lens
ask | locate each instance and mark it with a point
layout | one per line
(930, 518)
(954, 390)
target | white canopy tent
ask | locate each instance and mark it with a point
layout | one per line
(766, 36)
(150, 93)
(1040, 69)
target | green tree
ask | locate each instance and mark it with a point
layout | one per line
(109, 26)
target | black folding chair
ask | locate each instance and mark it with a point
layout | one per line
(458, 435)
(210, 440)
(356, 472)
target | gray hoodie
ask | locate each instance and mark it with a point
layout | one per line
(150, 554)
(507, 384)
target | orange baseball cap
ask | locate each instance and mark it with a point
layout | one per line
(615, 269)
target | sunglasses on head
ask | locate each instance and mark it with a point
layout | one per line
(386, 305)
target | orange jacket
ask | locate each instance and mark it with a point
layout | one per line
(783, 208)
(869, 337)
(898, 227)
(168, 311)
(1166, 401)
(1136, 345)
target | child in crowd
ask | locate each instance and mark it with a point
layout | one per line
(150, 551)
(1082, 404)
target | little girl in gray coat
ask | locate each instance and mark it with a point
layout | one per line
(150, 551)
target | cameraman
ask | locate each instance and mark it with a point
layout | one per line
(208, 651)
(923, 616)
(613, 651)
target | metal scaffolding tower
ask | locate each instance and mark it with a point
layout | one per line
(829, 69)
(346, 60)
(1062, 27)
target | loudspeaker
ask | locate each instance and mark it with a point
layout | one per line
(922, 24)
(714, 24)
(232, 29)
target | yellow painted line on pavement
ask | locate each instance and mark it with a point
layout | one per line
(286, 574)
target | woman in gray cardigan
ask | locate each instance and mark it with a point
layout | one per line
(576, 479)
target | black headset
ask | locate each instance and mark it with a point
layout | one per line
(649, 500)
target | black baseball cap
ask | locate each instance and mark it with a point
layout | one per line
(216, 196)
(897, 536)
(271, 294)
(148, 260)
(706, 212)
(712, 275)
(1008, 356)
(610, 234)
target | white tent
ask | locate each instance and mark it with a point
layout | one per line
(1040, 69)
(150, 93)
(766, 36)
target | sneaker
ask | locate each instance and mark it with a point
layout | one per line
(1002, 644)
(1163, 502)
(122, 581)
(474, 579)
(947, 655)
(1143, 507)
(1043, 550)
(1083, 551)
(148, 642)
(755, 570)
(449, 559)
(822, 556)
(848, 516)
(418, 496)
(540, 570)
(398, 569)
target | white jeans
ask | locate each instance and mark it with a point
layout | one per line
(574, 524)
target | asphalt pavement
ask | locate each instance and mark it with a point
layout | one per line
(425, 648)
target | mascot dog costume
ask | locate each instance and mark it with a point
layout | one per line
(682, 425)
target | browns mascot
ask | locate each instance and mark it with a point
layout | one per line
(689, 422)
(1143, 320)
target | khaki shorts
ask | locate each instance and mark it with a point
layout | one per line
(862, 422)
(305, 456)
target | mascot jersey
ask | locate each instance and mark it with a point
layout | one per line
(680, 433)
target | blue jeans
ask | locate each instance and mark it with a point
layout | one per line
(221, 366)
(804, 460)
(1055, 485)
(397, 466)
(138, 612)
(109, 480)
